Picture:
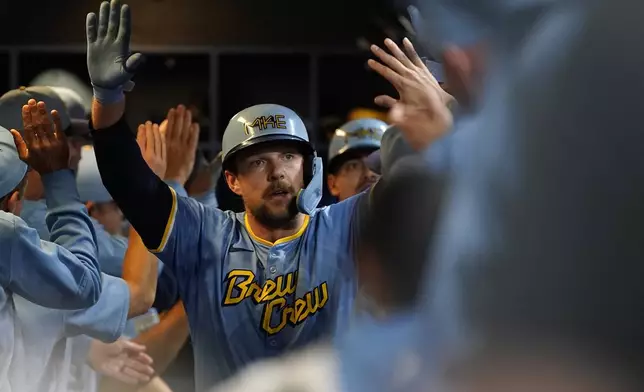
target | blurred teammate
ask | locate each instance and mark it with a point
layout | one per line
(351, 143)
(60, 274)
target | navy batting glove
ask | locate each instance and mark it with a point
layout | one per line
(109, 61)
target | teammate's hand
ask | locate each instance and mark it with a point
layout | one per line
(182, 136)
(206, 177)
(422, 112)
(43, 147)
(109, 61)
(122, 360)
(153, 147)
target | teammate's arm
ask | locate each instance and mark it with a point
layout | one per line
(61, 274)
(105, 320)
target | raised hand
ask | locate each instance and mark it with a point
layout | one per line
(43, 147)
(109, 61)
(182, 136)
(422, 112)
(122, 360)
(153, 147)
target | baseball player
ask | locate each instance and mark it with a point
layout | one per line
(254, 284)
(350, 144)
(61, 274)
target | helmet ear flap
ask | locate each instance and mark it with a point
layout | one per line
(309, 197)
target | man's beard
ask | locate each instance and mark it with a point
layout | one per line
(284, 219)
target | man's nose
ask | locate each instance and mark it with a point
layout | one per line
(276, 172)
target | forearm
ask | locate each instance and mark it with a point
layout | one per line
(140, 271)
(164, 340)
(104, 116)
(146, 201)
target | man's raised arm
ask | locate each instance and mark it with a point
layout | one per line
(147, 202)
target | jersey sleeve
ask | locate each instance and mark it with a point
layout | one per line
(64, 273)
(34, 213)
(147, 202)
(105, 320)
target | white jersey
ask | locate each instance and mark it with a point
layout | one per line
(312, 369)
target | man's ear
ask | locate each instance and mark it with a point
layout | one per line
(331, 181)
(233, 182)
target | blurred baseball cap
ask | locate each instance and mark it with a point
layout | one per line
(12, 102)
(13, 169)
(88, 178)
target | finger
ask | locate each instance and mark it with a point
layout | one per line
(385, 101)
(133, 62)
(157, 140)
(27, 124)
(149, 136)
(193, 137)
(187, 124)
(21, 146)
(170, 126)
(178, 122)
(399, 54)
(36, 121)
(114, 19)
(125, 25)
(140, 362)
(59, 132)
(90, 25)
(164, 148)
(417, 21)
(130, 347)
(412, 54)
(140, 138)
(45, 122)
(385, 72)
(103, 19)
(388, 59)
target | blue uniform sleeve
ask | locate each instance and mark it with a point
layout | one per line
(111, 249)
(64, 273)
(34, 213)
(105, 320)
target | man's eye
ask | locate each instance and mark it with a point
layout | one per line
(288, 157)
(256, 163)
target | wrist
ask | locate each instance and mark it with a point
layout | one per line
(107, 96)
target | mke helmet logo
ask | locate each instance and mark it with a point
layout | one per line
(363, 133)
(275, 121)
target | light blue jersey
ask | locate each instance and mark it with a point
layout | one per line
(247, 298)
(46, 351)
(63, 273)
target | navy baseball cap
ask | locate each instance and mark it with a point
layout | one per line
(12, 102)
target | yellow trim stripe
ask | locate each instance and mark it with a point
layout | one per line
(169, 225)
(281, 240)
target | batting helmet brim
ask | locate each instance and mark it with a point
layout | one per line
(308, 148)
